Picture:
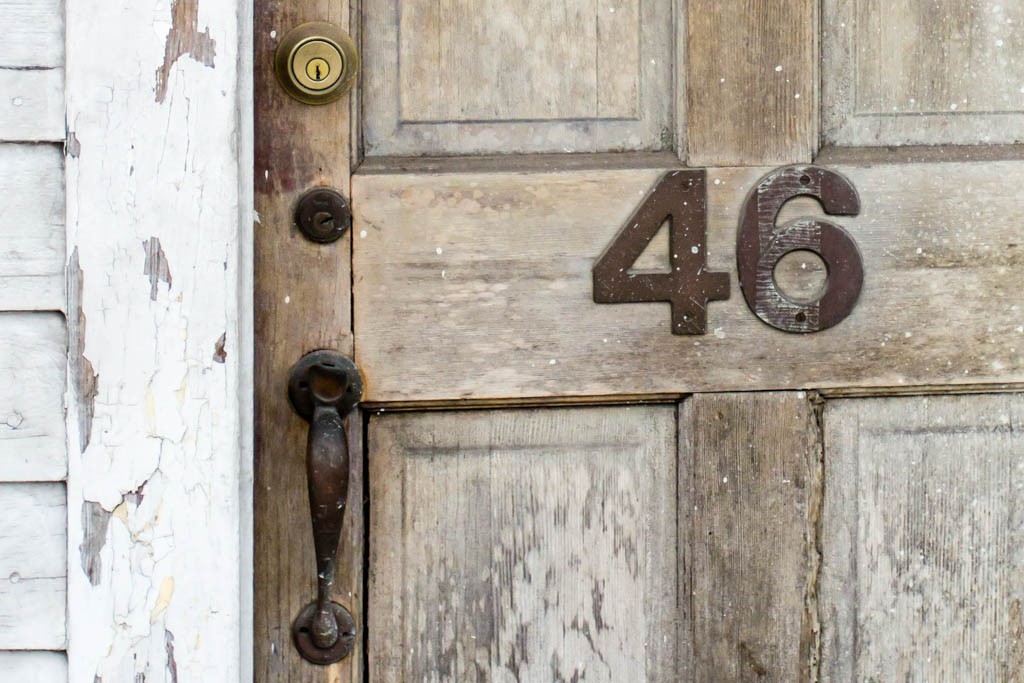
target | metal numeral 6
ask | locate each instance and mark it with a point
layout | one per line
(761, 245)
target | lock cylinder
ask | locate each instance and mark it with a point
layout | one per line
(316, 63)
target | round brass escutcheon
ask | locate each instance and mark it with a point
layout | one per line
(316, 63)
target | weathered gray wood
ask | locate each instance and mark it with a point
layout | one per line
(917, 154)
(494, 300)
(756, 496)
(33, 33)
(302, 302)
(33, 667)
(33, 357)
(923, 539)
(33, 566)
(751, 74)
(531, 545)
(32, 106)
(923, 72)
(32, 251)
(506, 76)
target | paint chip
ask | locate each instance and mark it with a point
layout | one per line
(219, 354)
(156, 266)
(95, 521)
(163, 599)
(184, 38)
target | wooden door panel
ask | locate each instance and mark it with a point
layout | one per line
(511, 76)
(523, 545)
(478, 286)
(750, 471)
(928, 72)
(923, 539)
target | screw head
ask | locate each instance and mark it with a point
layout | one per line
(322, 215)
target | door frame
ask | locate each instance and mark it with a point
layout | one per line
(158, 172)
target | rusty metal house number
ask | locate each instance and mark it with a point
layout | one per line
(680, 198)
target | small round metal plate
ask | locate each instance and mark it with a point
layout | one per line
(322, 215)
(303, 638)
(312, 45)
(298, 382)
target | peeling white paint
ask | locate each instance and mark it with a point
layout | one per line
(154, 188)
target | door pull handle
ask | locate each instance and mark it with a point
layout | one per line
(323, 388)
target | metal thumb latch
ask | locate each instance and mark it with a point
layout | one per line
(323, 388)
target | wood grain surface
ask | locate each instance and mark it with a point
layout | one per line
(302, 303)
(34, 33)
(523, 545)
(32, 108)
(928, 72)
(517, 76)
(34, 667)
(922, 537)
(751, 75)
(749, 501)
(33, 357)
(478, 286)
(33, 567)
(32, 241)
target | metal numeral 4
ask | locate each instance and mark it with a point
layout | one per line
(680, 198)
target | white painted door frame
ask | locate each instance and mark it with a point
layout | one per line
(159, 219)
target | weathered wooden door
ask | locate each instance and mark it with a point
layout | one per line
(561, 490)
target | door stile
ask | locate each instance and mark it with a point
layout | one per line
(302, 303)
(756, 461)
(744, 111)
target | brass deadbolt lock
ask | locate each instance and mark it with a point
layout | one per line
(316, 63)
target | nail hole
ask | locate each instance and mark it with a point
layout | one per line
(805, 179)
(303, 629)
(303, 384)
(801, 317)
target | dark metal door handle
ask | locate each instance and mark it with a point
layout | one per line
(323, 388)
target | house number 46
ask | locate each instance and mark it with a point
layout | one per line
(680, 197)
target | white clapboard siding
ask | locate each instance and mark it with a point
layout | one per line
(31, 227)
(33, 352)
(33, 566)
(32, 106)
(31, 71)
(33, 667)
(33, 35)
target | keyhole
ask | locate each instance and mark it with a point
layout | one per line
(318, 70)
(324, 220)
